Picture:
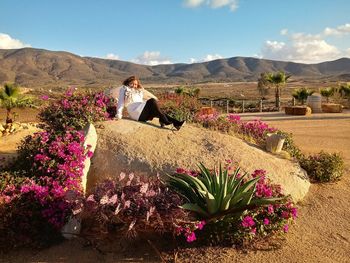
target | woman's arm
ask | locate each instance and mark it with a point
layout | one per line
(121, 103)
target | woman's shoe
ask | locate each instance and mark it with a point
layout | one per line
(178, 124)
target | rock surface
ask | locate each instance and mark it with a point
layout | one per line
(147, 149)
(89, 144)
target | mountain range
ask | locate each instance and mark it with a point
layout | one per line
(43, 68)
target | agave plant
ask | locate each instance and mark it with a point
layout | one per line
(218, 195)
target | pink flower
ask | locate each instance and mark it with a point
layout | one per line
(201, 225)
(270, 209)
(191, 237)
(285, 215)
(44, 97)
(193, 173)
(285, 228)
(253, 231)
(248, 221)
(294, 212)
(180, 171)
(266, 221)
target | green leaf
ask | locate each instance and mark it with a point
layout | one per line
(192, 181)
(212, 204)
(207, 177)
(195, 208)
(184, 188)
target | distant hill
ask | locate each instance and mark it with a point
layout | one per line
(43, 68)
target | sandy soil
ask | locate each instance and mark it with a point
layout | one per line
(321, 234)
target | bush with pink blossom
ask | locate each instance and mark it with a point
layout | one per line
(45, 189)
(76, 110)
(255, 130)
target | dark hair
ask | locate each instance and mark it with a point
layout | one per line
(130, 79)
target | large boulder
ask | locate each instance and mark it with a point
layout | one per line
(146, 149)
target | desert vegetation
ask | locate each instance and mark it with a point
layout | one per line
(220, 205)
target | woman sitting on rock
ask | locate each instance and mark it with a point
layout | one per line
(131, 95)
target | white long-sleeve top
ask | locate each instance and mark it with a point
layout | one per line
(132, 99)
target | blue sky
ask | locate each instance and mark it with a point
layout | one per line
(180, 31)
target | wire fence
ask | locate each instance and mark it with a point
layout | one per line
(240, 106)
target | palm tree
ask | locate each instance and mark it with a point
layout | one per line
(10, 98)
(327, 92)
(263, 85)
(345, 91)
(302, 94)
(278, 80)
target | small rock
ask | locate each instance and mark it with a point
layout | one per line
(1, 128)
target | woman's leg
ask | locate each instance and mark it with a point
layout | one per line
(152, 110)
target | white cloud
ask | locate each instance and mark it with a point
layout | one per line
(208, 57)
(193, 3)
(7, 42)
(301, 48)
(151, 58)
(339, 31)
(284, 32)
(112, 56)
(347, 52)
(232, 4)
(306, 48)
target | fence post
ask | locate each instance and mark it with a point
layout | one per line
(211, 104)
(227, 102)
(242, 106)
(293, 101)
(261, 105)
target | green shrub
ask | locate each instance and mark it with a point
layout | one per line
(180, 106)
(10, 178)
(323, 167)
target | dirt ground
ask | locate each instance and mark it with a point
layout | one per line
(321, 233)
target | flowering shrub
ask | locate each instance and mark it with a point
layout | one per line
(255, 130)
(323, 167)
(56, 156)
(22, 221)
(267, 220)
(268, 214)
(179, 106)
(135, 205)
(75, 110)
(47, 188)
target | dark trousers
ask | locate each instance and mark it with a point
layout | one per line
(152, 110)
